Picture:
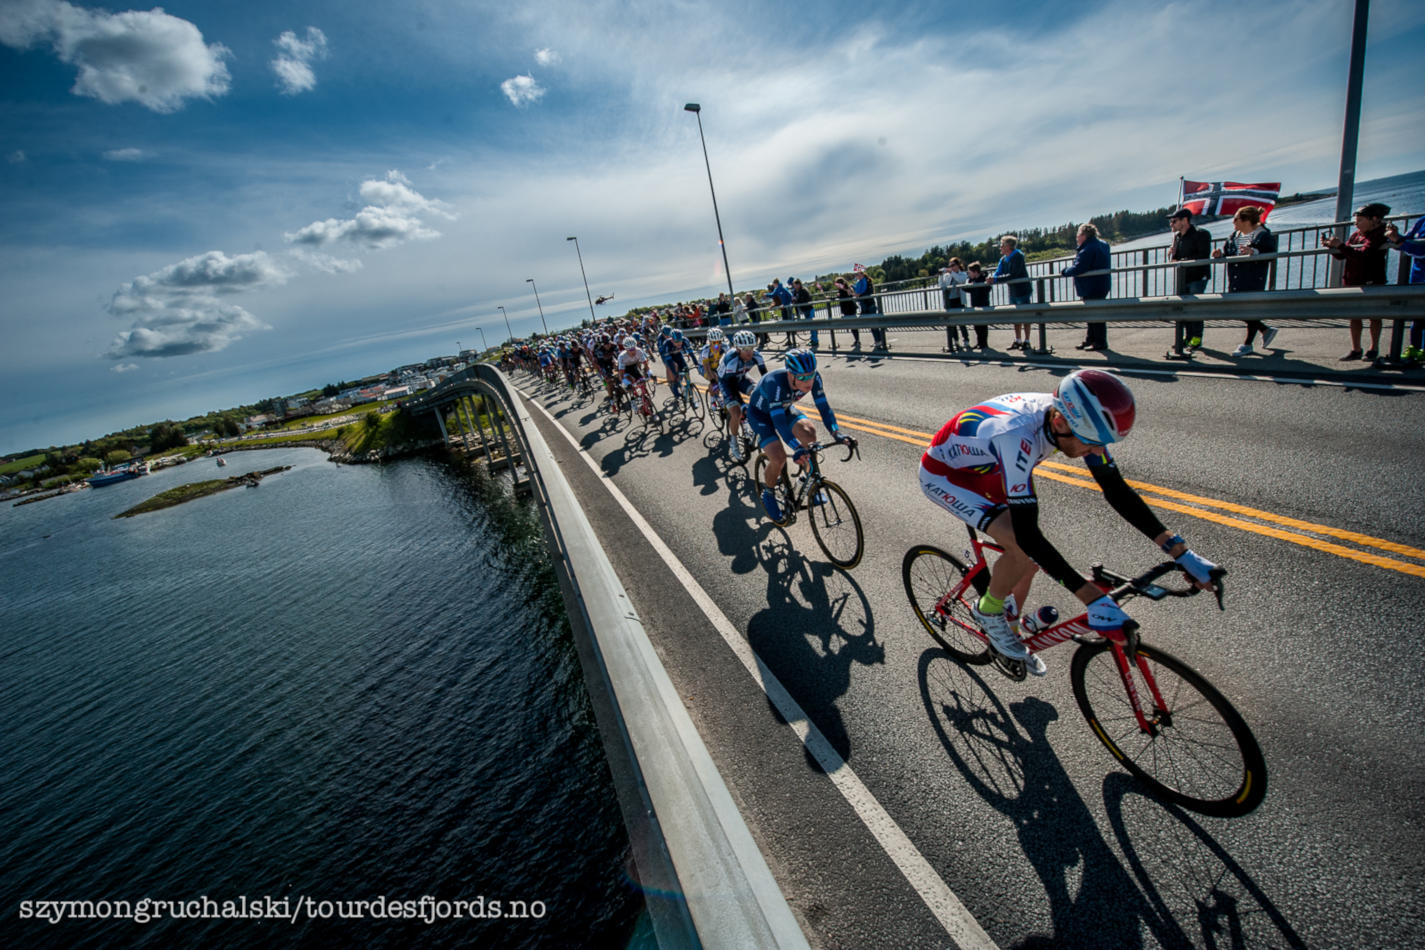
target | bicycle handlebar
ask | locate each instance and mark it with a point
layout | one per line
(852, 447)
(1144, 583)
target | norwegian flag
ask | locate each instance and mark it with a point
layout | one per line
(1226, 197)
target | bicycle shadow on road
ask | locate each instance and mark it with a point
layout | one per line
(816, 626)
(1005, 755)
(1188, 877)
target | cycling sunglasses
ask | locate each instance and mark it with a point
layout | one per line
(804, 377)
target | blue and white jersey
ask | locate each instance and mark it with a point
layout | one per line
(775, 395)
(734, 365)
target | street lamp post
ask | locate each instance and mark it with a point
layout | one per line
(483, 344)
(507, 322)
(586, 278)
(697, 110)
(530, 281)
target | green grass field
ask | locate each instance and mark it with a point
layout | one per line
(19, 465)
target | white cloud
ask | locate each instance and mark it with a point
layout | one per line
(392, 216)
(522, 90)
(326, 263)
(123, 367)
(125, 154)
(293, 65)
(178, 310)
(17, 157)
(546, 57)
(148, 57)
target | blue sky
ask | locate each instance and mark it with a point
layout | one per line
(216, 202)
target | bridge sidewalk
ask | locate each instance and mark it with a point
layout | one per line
(1299, 351)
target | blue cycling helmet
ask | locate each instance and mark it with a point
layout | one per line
(800, 362)
(676, 336)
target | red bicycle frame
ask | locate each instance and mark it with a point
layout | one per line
(1075, 628)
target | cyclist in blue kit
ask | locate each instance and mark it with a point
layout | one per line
(771, 413)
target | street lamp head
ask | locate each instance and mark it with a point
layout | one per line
(571, 239)
(529, 280)
(692, 107)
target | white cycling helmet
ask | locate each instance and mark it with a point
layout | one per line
(1097, 406)
(715, 335)
(744, 340)
(629, 343)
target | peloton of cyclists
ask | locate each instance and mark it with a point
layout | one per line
(980, 468)
(772, 414)
(732, 374)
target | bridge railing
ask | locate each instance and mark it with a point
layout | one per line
(1324, 307)
(705, 881)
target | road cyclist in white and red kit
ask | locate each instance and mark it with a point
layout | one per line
(980, 468)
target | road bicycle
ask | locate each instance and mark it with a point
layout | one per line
(688, 399)
(834, 521)
(644, 412)
(1161, 719)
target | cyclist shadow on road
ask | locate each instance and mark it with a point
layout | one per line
(816, 626)
(1005, 755)
(738, 524)
(1206, 898)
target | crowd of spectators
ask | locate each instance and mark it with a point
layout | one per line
(1248, 253)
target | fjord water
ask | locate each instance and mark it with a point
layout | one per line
(334, 686)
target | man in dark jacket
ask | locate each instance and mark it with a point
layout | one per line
(1190, 243)
(1093, 255)
(1364, 253)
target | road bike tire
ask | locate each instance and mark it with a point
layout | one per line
(836, 524)
(695, 401)
(929, 574)
(1203, 757)
(783, 491)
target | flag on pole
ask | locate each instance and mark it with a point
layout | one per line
(858, 268)
(1226, 197)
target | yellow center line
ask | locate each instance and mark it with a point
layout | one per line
(1052, 470)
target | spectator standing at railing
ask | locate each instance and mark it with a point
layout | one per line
(1364, 253)
(802, 297)
(1190, 243)
(1249, 238)
(723, 307)
(952, 278)
(782, 297)
(1412, 245)
(1013, 270)
(866, 297)
(978, 291)
(846, 300)
(1093, 255)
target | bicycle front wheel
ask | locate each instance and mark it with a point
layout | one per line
(837, 526)
(695, 400)
(930, 575)
(1198, 751)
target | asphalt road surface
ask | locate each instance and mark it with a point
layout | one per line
(1311, 497)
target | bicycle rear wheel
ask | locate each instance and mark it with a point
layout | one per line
(837, 527)
(1200, 753)
(783, 492)
(930, 575)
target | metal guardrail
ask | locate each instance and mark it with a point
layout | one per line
(1397, 303)
(705, 881)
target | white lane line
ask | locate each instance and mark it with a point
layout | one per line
(957, 920)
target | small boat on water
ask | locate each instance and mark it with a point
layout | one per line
(222, 462)
(117, 473)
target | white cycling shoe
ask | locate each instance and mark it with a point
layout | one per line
(1001, 636)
